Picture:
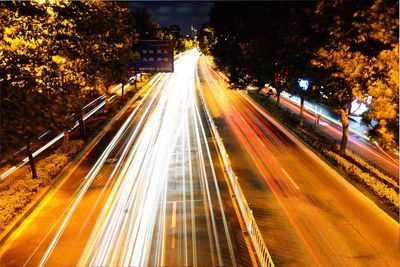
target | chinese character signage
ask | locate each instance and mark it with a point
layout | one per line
(155, 56)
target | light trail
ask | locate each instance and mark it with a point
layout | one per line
(47, 132)
(61, 135)
(217, 242)
(336, 126)
(101, 98)
(51, 142)
(382, 156)
(91, 176)
(148, 162)
(310, 204)
(161, 196)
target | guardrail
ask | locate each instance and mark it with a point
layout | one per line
(253, 231)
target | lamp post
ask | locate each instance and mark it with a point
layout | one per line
(304, 84)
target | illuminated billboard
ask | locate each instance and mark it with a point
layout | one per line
(155, 56)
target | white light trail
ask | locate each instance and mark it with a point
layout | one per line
(91, 176)
(61, 135)
(125, 232)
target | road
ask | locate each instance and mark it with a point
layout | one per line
(47, 139)
(150, 192)
(308, 214)
(358, 142)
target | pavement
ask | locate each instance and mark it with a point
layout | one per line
(308, 214)
(151, 191)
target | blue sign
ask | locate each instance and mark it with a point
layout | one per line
(155, 56)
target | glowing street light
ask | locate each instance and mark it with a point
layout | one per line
(304, 84)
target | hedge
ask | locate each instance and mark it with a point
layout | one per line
(14, 200)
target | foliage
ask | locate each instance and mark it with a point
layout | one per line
(347, 49)
(206, 39)
(359, 58)
(14, 200)
(380, 31)
(184, 43)
(28, 89)
(173, 33)
(378, 187)
(55, 56)
(266, 42)
(382, 185)
(229, 50)
(74, 147)
(145, 25)
(367, 167)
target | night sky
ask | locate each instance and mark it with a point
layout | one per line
(182, 13)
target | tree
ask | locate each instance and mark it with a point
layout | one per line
(378, 29)
(340, 66)
(361, 37)
(347, 49)
(206, 39)
(232, 45)
(341, 81)
(54, 57)
(102, 46)
(145, 25)
(28, 88)
(383, 87)
(298, 43)
(258, 46)
(119, 43)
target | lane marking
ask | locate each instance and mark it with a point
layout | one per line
(290, 179)
(173, 242)
(173, 214)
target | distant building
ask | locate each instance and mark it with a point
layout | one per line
(193, 32)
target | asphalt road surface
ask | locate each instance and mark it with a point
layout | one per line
(151, 191)
(308, 214)
(358, 143)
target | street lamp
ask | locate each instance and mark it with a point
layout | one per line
(304, 84)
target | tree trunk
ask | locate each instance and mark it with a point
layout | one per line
(65, 141)
(278, 97)
(81, 125)
(29, 152)
(122, 93)
(344, 115)
(301, 110)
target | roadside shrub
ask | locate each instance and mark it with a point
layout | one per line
(14, 200)
(364, 165)
(388, 194)
(50, 167)
(74, 147)
(382, 185)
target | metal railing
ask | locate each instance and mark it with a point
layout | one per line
(254, 233)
